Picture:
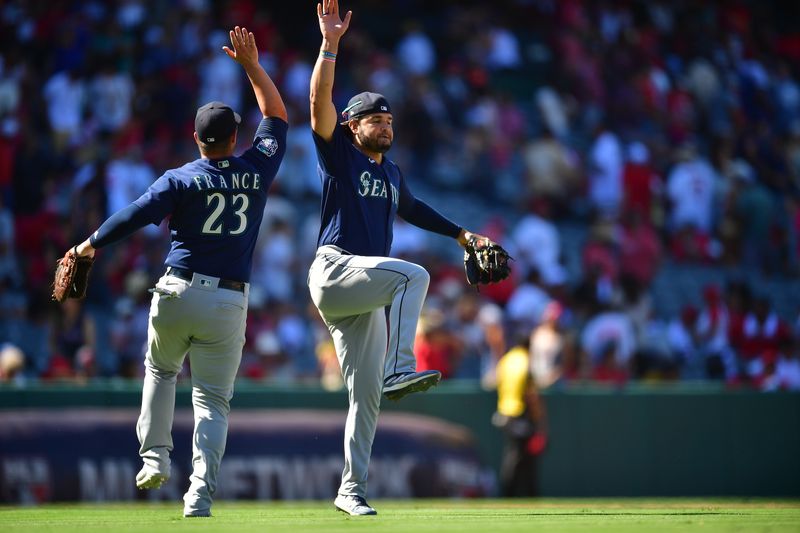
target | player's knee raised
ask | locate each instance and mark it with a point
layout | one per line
(420, 276)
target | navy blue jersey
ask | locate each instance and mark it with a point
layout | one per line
(361, 197)
(216, 205)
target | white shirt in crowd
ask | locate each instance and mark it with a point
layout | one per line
(111, 97)
(610, 326)
(545, 348)
(126, 179)
(526, 304)
(221, 81)
(416, 53)
(65, 98)
(536, 243)
(690, 187)
(605, 176)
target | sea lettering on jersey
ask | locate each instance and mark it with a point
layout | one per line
(239, 181)
(374, 187)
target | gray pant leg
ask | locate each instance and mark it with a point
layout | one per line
(210, 323)
(359, 341)
(215, 354)
(348, 285)
(351, 293)
(163, 361)
(407, 302)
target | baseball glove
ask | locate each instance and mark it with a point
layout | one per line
(72, 276)
(485, 262)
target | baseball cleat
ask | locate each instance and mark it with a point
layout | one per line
(150, 479)
(353, 505)
(401, 385)
(197, 514)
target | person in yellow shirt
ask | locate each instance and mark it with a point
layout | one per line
(521, 416)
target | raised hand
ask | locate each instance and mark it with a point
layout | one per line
(244, 46)
(331, 24)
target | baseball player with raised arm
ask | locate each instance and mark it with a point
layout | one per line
(351, 280)
(215, 204)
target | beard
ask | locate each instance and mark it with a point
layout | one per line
(379, 145)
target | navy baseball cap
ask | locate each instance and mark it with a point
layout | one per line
(364, 104)
(215, 122)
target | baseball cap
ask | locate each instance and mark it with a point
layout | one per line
(365, 103)
(215, 121)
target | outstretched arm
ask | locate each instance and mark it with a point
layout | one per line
(245, 53)
(420, 214)
(332, 27)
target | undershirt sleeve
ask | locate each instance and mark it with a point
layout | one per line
(416, 212)
(119, 225)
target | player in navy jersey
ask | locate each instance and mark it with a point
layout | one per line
(352, 280)
(199, 306)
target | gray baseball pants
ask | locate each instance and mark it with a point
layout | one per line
(351, 293)
(209, 323)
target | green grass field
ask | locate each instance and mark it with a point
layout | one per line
(493, 516)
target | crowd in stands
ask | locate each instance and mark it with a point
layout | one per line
(669, 131)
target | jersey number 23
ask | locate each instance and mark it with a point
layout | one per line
(218, 203)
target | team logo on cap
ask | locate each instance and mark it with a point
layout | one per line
(268, 146)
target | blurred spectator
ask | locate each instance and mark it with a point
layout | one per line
(545, 347)
(504, 49)
(490, 318)
(65, 94)
(609, 341)
(129, 325)
(762, 331)
(297, 178)
(753, 210)
(275, 261)
(435, 347)
(639, 249)
(551, 172)
(469, 333)
(9, 267)
(600, 266)
(127, 177)
(110, 92)
(554, 112)
(12, 362)
(712, 328)
(607, 367)
(73, 329)
(293, 337)
(535, 243)
(684, 343)
(524, 308)
(605, 166)
(415, 50)
(221, 79)
(642, 186)
(555, 137)
(690, 188)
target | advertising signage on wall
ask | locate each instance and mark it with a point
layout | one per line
(92, 455)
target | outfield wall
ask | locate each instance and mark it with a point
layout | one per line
(639, 441)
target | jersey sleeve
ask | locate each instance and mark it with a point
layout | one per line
(160, 199)
(269, 145)
(332, 154)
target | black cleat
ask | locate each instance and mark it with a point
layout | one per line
(400, 385)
